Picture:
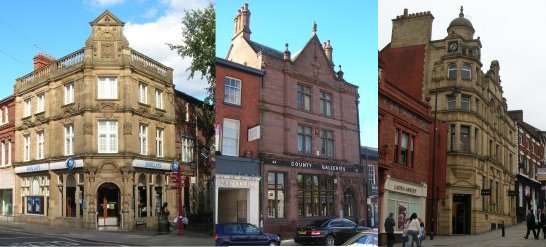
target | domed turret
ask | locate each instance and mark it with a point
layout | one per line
(461, 26)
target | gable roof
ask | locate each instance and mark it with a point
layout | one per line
(257, 47)
(405, 66)
(107, 13)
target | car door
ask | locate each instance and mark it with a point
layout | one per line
(336, 228)
(253, 235)
(349, 230)
(236, 234)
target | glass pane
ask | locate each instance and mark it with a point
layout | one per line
(271, 180)
(280, 180)
(300, 203)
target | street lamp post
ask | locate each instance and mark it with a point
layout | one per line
(434, 161)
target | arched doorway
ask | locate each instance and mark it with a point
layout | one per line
(108, 205)
(349, 206)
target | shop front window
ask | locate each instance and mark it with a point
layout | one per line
(275, 195)
(34, 192)
(315, 195)
(402, 205)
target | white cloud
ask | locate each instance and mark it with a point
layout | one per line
(103, 3)
(510, 33)
(150, 39)
(150, 13)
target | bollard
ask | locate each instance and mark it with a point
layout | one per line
(502, 228)
(431, 235)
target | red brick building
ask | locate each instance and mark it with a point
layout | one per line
(406, 132)
(237, 125)
(309, 142)
(7, 151)
(530, 160)
(190, 139)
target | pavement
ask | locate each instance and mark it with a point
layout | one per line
(513, 237)
(24, 234)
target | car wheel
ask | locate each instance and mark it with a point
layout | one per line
(329, 241)
(272, 243)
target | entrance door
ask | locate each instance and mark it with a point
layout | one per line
(461, 214)
(349, 207)
(108, 205)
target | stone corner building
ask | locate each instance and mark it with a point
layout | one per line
(481, 144)
(309, 138)
(93, 132)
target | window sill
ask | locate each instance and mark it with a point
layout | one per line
(232, 104)
(26, 117)
(160, 109)
(143, 104)
(116, 99)
(68, 104)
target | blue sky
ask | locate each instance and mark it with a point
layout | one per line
(59, 28)
(351, 26)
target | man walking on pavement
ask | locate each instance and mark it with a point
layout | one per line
(389, 228)
(541, 223)
(531, 224)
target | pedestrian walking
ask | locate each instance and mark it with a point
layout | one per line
(422, 233)
(541, 217)
(531, 224)
(389, 229)
(413, 230)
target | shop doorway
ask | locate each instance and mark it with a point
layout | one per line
(108, 206)
(233, 205)
(461, 214)
(350, 207)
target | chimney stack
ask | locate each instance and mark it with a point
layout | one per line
(41, 60)
(242, 23)
(328, 50)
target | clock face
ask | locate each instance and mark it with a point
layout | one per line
(452, 46)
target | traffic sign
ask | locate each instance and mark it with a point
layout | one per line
(70, 164)
(175, 166)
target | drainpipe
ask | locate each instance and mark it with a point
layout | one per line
(360, 160)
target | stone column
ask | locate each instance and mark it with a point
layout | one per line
(457, 146)
(472, 138)
(147, 187)
(77, 199)
(136, 196)
(63, 198)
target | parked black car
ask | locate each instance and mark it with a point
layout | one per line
(243, 234)
(327, 232)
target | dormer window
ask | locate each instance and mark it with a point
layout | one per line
(466, 72)
(452, 71)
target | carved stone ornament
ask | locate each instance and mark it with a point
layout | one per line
(88, 128)
(107, 50)
(127, 128)
(108, 106)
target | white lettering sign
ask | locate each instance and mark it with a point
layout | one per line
(150, 164)
(254, 133)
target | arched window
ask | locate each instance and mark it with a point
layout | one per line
(466, 72)
(452, 71)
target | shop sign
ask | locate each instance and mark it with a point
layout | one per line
(64, 164)
(512, 193)
(32, 168)
(313, 166)
(541, 174)
(486, 192)
(233, 182)
(405, 189)
(254, 133)
(149, 164)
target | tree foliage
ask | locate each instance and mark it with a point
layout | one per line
(199, 45)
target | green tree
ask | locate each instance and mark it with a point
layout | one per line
(199, 45)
